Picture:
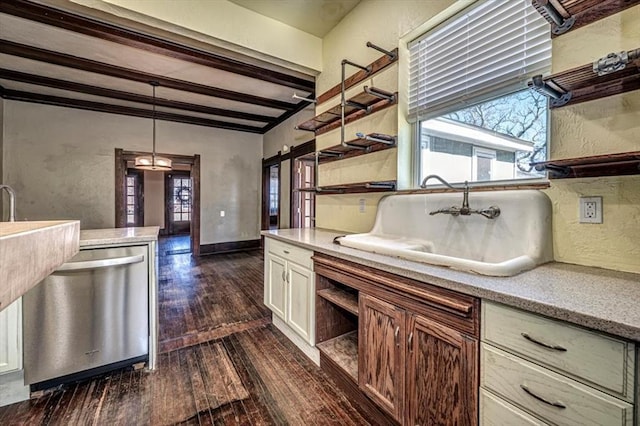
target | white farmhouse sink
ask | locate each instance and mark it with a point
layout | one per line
(517, 240)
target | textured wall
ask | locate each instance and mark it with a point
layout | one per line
(61, 163)
(602, 126)
(382, 23)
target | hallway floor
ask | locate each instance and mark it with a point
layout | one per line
(222, 362)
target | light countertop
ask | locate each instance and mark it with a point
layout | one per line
(597, 298)
(111, 236)
(30, 251)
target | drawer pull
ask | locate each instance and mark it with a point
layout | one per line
(286, 251)
(537, 342)
(556, 404)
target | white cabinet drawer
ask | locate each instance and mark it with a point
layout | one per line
(598, 359)
(494, 411)
(553, 397)
(290, 252)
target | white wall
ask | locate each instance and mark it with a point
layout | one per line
(227, 22)
(61, 164)
(154, 198)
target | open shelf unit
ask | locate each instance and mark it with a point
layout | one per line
(613, 74)
(567, 15)
(626, 163)
(364, 144)
(368, 101)
(337, 333)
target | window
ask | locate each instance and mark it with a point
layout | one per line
(132, 199)
(303, 201)
(181, 199)
(466, 78)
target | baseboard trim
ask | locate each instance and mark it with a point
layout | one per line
(229, 247)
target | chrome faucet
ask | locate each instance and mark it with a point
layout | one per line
(490, 213)
(12, 202)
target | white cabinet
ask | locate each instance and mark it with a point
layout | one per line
(558, 373)
(11, 337)
(289, 289)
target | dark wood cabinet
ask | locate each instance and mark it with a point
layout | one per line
(381, 354)
(417, 355)
(441, 374)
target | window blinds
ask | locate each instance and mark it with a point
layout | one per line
(488, 50)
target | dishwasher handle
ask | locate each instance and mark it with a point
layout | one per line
(100, 263)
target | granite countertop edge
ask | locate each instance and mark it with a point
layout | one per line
(112, 236)
(596, 298)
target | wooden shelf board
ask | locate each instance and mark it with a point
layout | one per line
(339, 152)
(341, 298)
(625, 163)
(585, 85)
(356, 188)
(376, 66)
(587, 11)
(330, 119)
(343, 350)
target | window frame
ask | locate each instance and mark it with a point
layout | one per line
(413, 128)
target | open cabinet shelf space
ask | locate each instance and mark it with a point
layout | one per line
(353, 188)
(366, 102)
(574, 14)
(341, 298)
(583, 83)
(343, 350)
(359, 146)
(626, 163)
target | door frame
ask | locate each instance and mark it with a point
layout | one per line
(121, 159)
(266, 177)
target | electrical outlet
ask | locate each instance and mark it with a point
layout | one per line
(221, 213)
(362, 205)
(590, 209)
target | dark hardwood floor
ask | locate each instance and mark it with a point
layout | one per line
(222, 362)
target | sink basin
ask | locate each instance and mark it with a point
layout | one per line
(517, 240)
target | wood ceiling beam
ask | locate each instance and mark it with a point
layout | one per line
(62, 59)
(122, 110)
(92, 27)
(55, 83)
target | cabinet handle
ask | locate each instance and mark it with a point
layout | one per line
(545, 345)
(286, 251)
(289, 277)
(284, 276)
(410, 340)
(395, 333)
(557, 404)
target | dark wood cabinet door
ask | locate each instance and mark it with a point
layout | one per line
(442, 375)
(381, 353)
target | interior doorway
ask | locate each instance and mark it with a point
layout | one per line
(169, 200)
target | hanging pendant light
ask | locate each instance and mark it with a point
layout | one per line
(153, 161)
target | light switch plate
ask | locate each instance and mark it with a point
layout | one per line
(590, 209)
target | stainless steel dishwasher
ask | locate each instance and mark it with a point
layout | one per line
(87, 317)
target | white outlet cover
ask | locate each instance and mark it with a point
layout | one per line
(361, 203)
(221, 213)
(590, 210)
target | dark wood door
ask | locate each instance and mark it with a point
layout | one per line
(381, 353)
(441, 374)
(179, 202)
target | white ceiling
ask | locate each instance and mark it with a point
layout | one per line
(315, 17)
(100, 69)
